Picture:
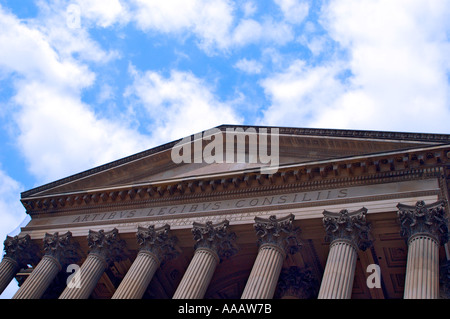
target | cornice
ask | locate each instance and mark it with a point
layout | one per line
(332, 133)
(334, 173)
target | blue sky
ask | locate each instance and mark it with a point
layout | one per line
(83, 82)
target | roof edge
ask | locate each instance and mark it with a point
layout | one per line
(367, 134)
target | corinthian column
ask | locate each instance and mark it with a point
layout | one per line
(60, 251)
(19, 251)
(276, 238)
(425, 228)
(347, 232)
(157, 246)
(105, 247)
(213, 242)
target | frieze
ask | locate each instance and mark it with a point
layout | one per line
(377, 169)
(215, 206)
(178, 211)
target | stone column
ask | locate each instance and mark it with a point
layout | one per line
(60, 250)
(213, 243)
(347, 232)
(444, 275)
(425, 228)
(276, 238)
(105, 247)
(157, 246)
(19, 251)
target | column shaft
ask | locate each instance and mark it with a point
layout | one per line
(138, 277)
(39, 279)
(422, 269)
(90, 273)
(337, 281)
(8, 269)
(263, 278)
(425, 226)
(196, 280)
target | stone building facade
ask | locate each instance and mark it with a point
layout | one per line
(345, 214)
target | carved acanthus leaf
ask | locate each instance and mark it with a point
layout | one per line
(106, 244)
(280, 232)
(424, 219)
(61, 247)
(215, 237)
(350, 226)
(21, 249)
(159, 241)
(297, 282)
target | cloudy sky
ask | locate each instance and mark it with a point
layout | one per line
(83, 82)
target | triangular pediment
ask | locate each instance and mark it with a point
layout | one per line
(296, 146)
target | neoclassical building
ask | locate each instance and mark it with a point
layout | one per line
(344, 214)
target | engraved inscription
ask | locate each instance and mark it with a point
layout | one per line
(262, 201)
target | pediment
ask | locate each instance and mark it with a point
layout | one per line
(296, 146)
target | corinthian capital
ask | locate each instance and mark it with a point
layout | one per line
(424, 219)
(296, 282)
(215, 237)
(158, 241)
(21, 249)
(107, 245)
(279, 232)
(61, 247)
(348, 226)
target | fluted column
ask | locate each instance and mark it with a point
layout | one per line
(425, 228)
(347, 232)
(213, 243)
(157, 246)
(19, 251)
(444, 275)
(105, 247)
(276, 238)
(60, 251)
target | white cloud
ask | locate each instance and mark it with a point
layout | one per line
(60, 135)
(396, 55)
(295, 11)
(30, 54)
(66, 37)
(249, 8)
(179, 105)
(268, 31)
(11, 210)
(300, 93)
(104, 13)
(57, 133)
(399, 55)
(213, 23)
(249, 66)
(209, 20)
(247, 31)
